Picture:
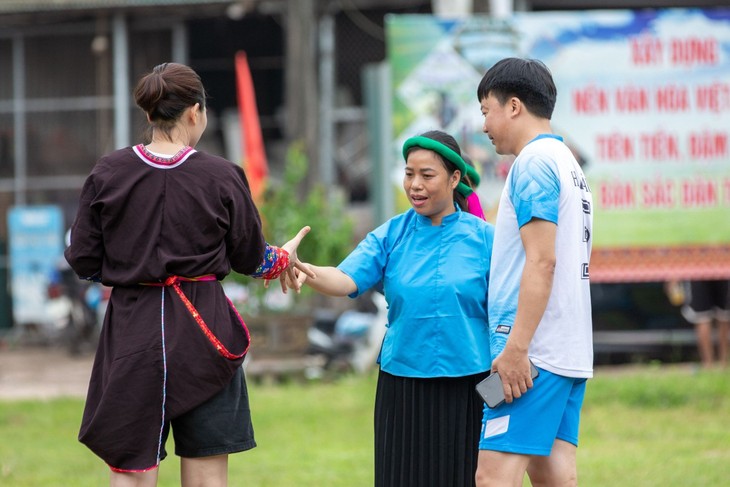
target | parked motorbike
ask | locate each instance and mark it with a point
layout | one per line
(350, 341)
(77, 309)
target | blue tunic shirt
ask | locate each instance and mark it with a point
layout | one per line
(435, 280)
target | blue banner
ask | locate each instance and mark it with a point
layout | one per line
(35, 251)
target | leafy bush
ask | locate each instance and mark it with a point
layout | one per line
(285, 211)
(287, 207)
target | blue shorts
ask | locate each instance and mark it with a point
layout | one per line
(531, 424)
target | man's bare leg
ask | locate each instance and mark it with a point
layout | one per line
(499, 469)
(559, 469)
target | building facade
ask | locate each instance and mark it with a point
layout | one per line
(68, 67)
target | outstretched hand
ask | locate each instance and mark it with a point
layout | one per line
(297, 271)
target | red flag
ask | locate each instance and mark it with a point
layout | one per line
(254, 154)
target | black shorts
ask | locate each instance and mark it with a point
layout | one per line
(219, 426)
(707, 300)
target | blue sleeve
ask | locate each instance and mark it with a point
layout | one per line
(535, 191)
(366, 264)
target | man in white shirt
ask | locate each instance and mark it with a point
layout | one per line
(539, 299)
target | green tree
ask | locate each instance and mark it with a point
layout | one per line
(287, 208)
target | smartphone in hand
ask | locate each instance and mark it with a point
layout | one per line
(491, 390)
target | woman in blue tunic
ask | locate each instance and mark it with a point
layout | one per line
(433, 263)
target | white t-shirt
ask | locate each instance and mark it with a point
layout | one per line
(546, 182)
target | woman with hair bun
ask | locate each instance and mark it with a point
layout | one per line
(162, 224)
(433, 265)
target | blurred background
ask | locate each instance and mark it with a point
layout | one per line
(336, 85)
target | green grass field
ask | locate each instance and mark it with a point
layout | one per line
(640, 228)
(645, 426)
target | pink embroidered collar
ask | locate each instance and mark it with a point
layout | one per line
(163, 162)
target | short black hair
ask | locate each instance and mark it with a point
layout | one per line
(527, 79)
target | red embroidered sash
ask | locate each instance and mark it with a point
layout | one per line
(174, 283)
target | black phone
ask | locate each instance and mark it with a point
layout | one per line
(491, 390)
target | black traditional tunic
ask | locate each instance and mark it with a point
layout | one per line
(142, 219)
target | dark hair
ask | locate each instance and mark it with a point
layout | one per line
(467, 180)
(527, 79)
(451, 143)
(166, 92)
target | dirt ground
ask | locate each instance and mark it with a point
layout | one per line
(47, 372)
(42, 372)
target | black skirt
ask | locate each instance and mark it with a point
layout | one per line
(427, 431)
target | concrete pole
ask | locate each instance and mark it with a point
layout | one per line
(452, 8)
(501, 9)
(326, 103)
(301, 97)
(180, 43)
(121, 82)
(20, 153)
(377, 90)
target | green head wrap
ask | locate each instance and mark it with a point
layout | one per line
(448, 154)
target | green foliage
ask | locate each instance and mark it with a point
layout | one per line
(287, 207)
(285, 211)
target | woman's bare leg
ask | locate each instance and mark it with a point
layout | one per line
(204, 471)
(134, 479)
(705, 347)
(723, 334)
